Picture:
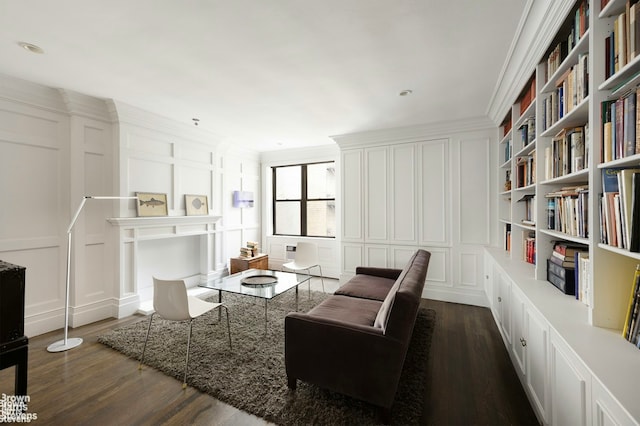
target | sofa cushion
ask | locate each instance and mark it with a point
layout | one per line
(385, 309)
(348, 309)
(366, 287)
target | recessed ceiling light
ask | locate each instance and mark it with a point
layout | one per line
(31, 47)
(406, 92)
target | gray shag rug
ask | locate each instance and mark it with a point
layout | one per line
(252, 375)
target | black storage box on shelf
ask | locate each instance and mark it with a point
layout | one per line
(561, 277)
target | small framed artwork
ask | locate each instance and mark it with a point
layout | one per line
(151, 204)
(197, 205)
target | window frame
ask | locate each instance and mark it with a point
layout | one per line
(303, 199)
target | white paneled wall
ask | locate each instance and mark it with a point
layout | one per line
(404, 189)
(57, 146)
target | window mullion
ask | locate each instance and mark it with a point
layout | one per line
(303, 202)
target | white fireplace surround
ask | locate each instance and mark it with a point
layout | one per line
(138, 237)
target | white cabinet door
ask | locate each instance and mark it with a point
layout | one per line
(570, 385)
(504, 306)
(606, 410)
(518, 348)
(537, 361)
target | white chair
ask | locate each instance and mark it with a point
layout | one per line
(171, 302)
(306, 258)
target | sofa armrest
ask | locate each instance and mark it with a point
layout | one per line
(352, 359)
(390, 273)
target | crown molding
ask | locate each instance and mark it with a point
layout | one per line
(412, 133)
(86, 106)
(542, 22)
(129, 115)
(31, 94)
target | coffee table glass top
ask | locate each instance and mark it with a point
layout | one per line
(233, 283)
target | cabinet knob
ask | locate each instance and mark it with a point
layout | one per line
(523, 342)
(486, 276)
(499, 299)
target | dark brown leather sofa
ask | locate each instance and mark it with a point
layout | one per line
(355, 341)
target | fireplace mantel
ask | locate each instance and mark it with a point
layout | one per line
(134, 235)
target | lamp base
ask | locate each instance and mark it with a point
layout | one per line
(61, 346)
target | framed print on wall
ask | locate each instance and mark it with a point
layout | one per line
(151, 204)
(196, 205)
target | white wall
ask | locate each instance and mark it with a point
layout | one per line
(57, 146)
(274, 245)
(419, 187)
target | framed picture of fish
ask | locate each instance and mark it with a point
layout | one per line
(151, 204)
(196, 205)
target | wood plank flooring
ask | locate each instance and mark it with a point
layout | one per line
(470, 380)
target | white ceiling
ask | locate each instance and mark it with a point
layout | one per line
(270, 74)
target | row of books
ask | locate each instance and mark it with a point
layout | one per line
(568, 152)
(571, 89)
(620, 208)
(529, 201)
(529, 247)
(621, 127)
(567, 210)
(578, 29)
(527, 132)
(631, 329)
(568, 270)
(526, 170)
(507, 150)
(527, 95)
(622, 44)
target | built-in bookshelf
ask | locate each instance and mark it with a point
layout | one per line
(569, 191)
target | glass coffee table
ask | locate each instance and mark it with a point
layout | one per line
(258, 283)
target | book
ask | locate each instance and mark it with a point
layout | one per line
(634, 233)
(633, 301)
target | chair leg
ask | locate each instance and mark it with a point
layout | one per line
(144, 348)
(228, 326)
(186, 363)
(309, 273)
(321, 278)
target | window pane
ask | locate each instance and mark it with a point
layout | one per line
(321, 180)
(288, 183)
(288, 218)
(321, 218)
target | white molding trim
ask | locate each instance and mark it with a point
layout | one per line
(150, 222)
(524, 59)
(31, 94)
(411, 134)
(90, 107)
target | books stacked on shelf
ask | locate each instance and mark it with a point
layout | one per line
(568, 152)
(529, 209)
(526, 170)
(620, 118)
(620, 208)
(567, 210)
(529, 247)
(571, 90)
(622, 44)
(579, 27)
(528, 95)
(564, 267)
(507, 150)
(631, 330)
(527, 132)
(250, 250)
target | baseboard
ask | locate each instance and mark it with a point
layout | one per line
(453, 295)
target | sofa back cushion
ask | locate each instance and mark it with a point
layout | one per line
(405, 295)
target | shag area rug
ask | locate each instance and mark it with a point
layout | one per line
(252, 375)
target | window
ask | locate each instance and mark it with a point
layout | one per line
(304, 200)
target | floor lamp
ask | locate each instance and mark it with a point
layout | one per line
(66, 343)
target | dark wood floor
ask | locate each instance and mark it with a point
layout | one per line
(470, 381)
